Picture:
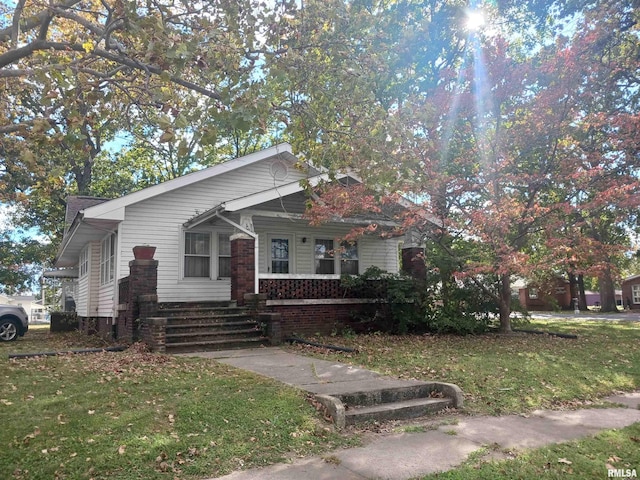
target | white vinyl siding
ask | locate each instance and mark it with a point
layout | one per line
(89, 283)
(159, 222)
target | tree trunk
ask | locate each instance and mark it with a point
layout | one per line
(573, 288)
(582, 297)
(504, 304)
(607, 292)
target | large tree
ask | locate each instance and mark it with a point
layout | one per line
(490, 139)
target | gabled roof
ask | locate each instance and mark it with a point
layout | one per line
(87, 218)
(77, 203)
(114, 209)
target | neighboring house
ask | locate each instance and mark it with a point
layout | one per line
(552, 296)
(213, 230)
(32, 306)
(631, 292)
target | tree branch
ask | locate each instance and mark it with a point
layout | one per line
(13, 56)
(33, 21)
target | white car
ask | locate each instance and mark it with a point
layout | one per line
(14, 322)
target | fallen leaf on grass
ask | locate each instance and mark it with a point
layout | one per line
(121, 449)
(565, 461)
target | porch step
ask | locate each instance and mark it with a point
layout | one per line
(209, 326)
(206, 345)
(417, 407)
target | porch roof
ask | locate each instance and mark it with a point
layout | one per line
(250, 204)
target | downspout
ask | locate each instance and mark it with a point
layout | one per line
(254, 235)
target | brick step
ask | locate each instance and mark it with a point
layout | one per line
(206, 318)
(202, 333)
(413, 408)
(211, 324)
(204, 345)
(203, 311)
(191, 305)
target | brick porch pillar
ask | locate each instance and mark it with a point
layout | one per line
(143, 283)
(413, 256)
(243, 267)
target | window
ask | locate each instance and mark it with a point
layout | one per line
(279, 252)
(224, 256)
(349, 264)
(533, 293)
(197, 254)
(635, 293)
(84, 262)
(108, 259)
(324, 257)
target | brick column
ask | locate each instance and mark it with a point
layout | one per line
(143, 283)
(413, 262)
(243, 267)
(154, 333)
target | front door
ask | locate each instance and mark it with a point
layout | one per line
(280, 254)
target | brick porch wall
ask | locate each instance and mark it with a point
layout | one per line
(310, 318)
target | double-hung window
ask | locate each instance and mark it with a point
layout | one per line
(197, 254)
(635, 293)
(84, 262)
(349, 263)
(224, 256)
(328, 261)
(108, 259)
(325, 262)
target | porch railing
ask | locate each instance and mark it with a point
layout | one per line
(313, 289)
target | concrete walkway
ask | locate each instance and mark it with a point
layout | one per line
(402, 456)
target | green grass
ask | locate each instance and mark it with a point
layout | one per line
(588, 458)
(509, 374)
(134, 415)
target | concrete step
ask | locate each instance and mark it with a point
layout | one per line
(414, 408)
(199, 324)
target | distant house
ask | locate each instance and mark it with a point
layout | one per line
(631, 292)
(32, 306)
(220, 233)
(551, 296)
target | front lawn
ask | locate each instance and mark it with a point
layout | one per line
(509, 374)
(135, 415)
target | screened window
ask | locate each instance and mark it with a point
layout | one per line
(349, 263)
(635, 293)
(324, 257)
(108, 259)
(224, 256)
(279, 255)
(197, 254)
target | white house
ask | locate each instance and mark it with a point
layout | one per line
(193, 222)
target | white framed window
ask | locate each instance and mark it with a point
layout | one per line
(108, 259)
(280, 254)
(635, 294)
(349, 261)
(224, 255)
(533, 293)
(197, 255)
(83, 264)
(324, 256)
